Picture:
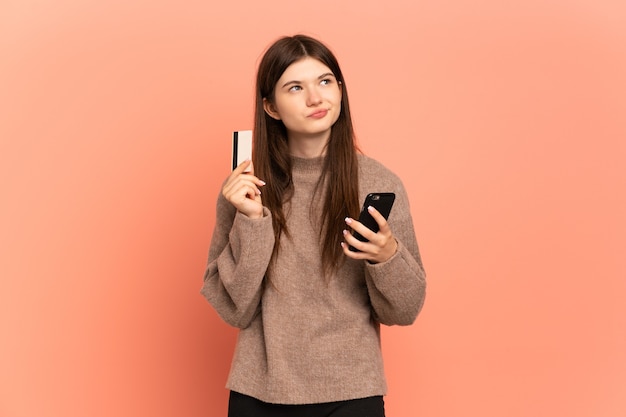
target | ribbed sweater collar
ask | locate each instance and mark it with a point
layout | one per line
(307, 168)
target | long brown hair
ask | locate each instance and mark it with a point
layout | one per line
(272, 161)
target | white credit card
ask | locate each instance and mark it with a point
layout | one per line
(242, 147)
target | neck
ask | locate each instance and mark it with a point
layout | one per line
(303, 146)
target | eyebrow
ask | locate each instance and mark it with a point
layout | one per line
(300, 82)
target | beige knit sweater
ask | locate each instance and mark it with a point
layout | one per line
(302, 340)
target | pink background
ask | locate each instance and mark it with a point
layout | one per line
(506, 121)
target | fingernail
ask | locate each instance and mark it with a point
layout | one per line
(345, 232)
(370, 208)
(348, 220)
(262, 182)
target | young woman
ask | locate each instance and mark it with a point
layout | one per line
(280, 268)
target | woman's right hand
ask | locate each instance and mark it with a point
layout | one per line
(242, 190)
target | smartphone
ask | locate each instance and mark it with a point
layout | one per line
(381, 202)
(242, 147)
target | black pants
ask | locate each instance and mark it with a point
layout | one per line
(241, 405)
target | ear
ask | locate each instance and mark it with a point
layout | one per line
(270, 109)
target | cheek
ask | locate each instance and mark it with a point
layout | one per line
(286, 107)
(335, 96)
(338, 106)
(337, 115)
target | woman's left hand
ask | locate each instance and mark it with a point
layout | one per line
(381, 245)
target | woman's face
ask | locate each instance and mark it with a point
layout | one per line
(307, 99)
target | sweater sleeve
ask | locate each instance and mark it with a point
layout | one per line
(239, 255)
(397, 287)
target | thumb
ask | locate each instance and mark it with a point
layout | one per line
(249, 169)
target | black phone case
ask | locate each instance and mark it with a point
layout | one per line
(381, 202)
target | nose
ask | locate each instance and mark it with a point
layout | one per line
(314, 97)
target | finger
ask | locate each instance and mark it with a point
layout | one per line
(245, 166)
(247, 179)
(234, 181)
(383, 225)
(249, 169)
(245, 199)
(360, 228)
(345, 246)
(244, 189)
(362, 255)
(377, 216)
(240, 194)
(351, 240)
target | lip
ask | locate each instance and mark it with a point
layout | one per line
(318, 114)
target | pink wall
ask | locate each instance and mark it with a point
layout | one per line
(506, 121)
